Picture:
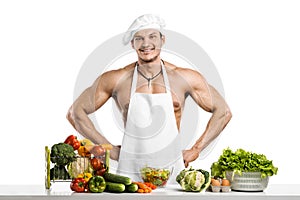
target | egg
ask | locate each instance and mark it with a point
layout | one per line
(225, 182)
(215, 182)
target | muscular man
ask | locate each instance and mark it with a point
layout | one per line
(150, 81)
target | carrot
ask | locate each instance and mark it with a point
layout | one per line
(151, 185)
(143, 188)
(140, 191)
(146, 190)
(141, 185)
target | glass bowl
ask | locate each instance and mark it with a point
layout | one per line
(155, 175)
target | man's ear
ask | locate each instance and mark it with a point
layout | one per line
(132, 45)
(163, 39)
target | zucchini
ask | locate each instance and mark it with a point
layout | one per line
(115, 178)
(114, 187)
(133, 187)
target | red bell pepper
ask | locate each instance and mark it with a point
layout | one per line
(78, 185)
(72, 140)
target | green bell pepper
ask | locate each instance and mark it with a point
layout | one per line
(97, 184)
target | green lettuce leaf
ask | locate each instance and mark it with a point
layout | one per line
(242, 161)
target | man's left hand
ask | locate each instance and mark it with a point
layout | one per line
(189, 156)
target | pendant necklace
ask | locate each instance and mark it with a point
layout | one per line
(149, 79)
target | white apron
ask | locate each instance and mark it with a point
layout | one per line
(151, 135)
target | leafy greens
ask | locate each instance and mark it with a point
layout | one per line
(242, 161)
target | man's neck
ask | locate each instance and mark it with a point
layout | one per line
(150, 69)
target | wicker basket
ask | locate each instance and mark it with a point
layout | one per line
(248, 181)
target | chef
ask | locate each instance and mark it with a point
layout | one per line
(150, 94)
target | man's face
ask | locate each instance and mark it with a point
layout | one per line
(147, 44)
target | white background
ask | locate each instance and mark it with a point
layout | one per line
(255, 46)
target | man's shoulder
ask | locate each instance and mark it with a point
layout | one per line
(129, 68)
(180, 70)
(184, 76)
(120, 71)
(112, 77)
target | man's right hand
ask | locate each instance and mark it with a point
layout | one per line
(115, 152)
(189, 156)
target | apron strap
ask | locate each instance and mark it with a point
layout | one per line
(166, 80)
(134, 81)
(135, 76)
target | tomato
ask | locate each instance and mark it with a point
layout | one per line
(97, 164)
(97, 150)
(100, 172)
(76, 145)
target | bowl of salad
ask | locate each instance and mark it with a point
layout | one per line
(156, 176)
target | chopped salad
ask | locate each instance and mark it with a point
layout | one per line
(156, 176)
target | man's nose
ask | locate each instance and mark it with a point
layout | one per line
(145, 42)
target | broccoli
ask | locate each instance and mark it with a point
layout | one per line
(62, 154)
(59, 172)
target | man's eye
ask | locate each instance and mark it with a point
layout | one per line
(152, 36)
(137, 38)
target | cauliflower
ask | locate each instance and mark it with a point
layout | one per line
(79, 166)
(192, 180)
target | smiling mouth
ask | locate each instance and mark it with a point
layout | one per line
(146, 50)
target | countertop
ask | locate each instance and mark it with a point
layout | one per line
(61, 191)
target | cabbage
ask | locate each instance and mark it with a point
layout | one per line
(79, 166)
(193, 180)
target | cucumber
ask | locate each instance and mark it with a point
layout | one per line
(115, 178)
(133, 187)
(114, 187)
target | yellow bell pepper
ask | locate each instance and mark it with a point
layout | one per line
(84, 152)
(86, 176)
(86, 142)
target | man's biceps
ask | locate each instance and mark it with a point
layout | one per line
(100, 100)
(203, 100)
(207, 104)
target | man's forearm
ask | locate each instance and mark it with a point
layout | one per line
(82, 123)
(216, 124)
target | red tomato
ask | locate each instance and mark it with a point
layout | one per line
(76, 145)
(97, 163)
(97, 150)
(100, 172)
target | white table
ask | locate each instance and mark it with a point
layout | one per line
(61, 191)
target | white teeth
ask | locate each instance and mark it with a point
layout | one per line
(146, 50)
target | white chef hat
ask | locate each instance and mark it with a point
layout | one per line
(146, 21)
